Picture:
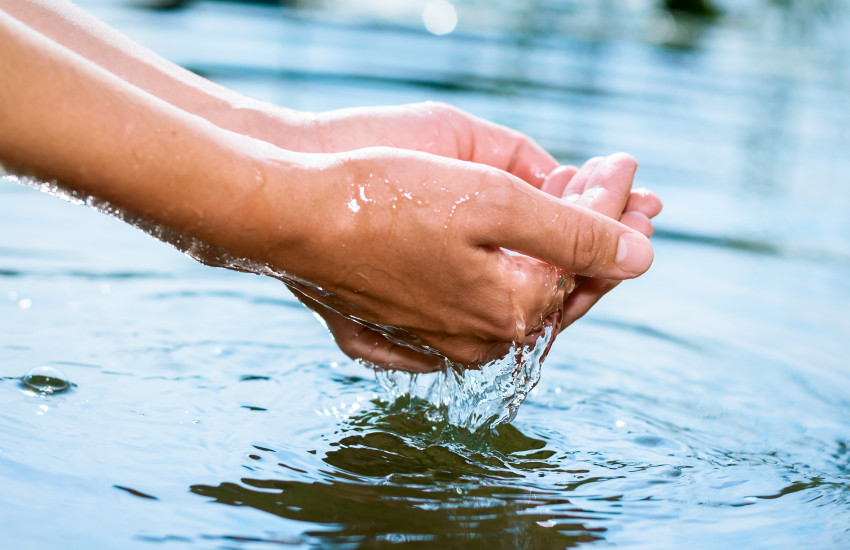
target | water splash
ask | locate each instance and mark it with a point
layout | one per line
(472, 398)
(194, 248)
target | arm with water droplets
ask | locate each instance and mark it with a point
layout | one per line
(429, 127)
(410, 243)
(66, 119)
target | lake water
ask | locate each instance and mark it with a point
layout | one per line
(705, 405)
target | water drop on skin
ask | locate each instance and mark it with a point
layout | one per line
(46, 380)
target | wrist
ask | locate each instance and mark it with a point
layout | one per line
(287, 129)
(244, 201)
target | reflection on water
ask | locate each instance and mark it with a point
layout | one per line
(704, 405)
(401, 478)
(395, 477)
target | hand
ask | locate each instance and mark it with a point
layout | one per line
(435, 128)
(428, 127)
(415, 241)
(603, 185)
(391, 238)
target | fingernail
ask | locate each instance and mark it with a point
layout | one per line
(634, 253)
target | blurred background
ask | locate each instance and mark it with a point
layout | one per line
(749, 97)
(704, 405)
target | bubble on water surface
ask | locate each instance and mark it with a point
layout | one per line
(46, 380)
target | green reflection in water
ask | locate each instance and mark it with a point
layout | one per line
(397, 477)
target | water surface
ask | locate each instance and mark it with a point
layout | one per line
(705, 405)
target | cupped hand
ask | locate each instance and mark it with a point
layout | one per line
(415, 246)
(444, 130)
(429, 127)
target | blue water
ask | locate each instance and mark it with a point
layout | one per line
(704, 405)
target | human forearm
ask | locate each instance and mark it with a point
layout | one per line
(67, 119)
(432, 128)
(404, 240)
(81, 32)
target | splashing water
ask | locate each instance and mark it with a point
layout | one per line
(473, 398)
(198, 250)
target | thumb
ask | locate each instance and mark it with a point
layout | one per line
(526, 220)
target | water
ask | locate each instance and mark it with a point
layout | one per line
(472, 398)
(45, 380)
(475, 399)
(704, 405)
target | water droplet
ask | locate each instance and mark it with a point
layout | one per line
(46, 380)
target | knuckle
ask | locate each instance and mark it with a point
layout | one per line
(590, 248)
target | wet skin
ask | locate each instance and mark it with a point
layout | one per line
(601, 184)
(394, 217)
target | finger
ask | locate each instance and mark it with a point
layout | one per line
(532, 300)
(578, 183)
(588, 290)
(583, 298)
(639, 222)
(530, 162)
(538, 290)
(607, 188)
(359, 342)
(576, 239)
(644, 201)
(558, 180)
